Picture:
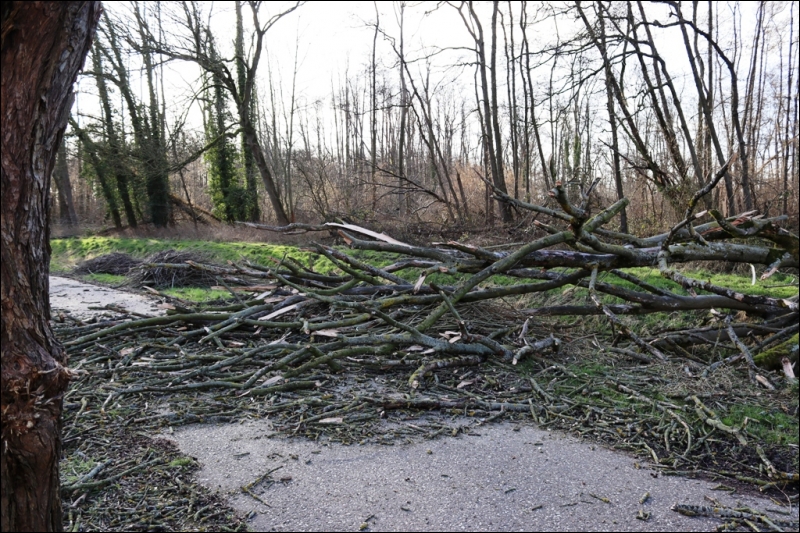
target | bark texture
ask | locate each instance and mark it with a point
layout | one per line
(43, 48)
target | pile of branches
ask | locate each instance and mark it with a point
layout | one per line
(168, 269)
(349, 353)
(116, 263)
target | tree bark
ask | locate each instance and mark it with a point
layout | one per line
(43, 48)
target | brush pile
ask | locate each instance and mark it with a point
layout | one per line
(347, 351)
(115, 263)
(169, 269)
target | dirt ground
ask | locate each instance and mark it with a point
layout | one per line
(496, 477)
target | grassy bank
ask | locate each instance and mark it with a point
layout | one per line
(67, 253)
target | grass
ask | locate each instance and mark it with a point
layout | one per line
(743, 283)
(197, 294)
(67, 253)
(772, 427)
(70, 251)
(105, 279)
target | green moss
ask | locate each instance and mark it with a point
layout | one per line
(771, 358)
(181, 461)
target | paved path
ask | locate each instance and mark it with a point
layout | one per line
(504, 479)
(500, 478)
(77, 297)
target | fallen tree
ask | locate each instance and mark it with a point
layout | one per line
(434, 328)
(362, 293)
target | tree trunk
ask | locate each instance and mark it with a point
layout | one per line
(66, 207)
(119, 165)
(251, 209)
(500, 179)
(43, 47)
(401, 158)
(612, 122)
(103, 177)
(373, 117)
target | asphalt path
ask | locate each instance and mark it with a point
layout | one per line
(499, 477)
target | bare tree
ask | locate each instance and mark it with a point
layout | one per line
(66, 207)
(242, 96)
(488, 83)
(373, 118)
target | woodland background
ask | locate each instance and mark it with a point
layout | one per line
(182, 117)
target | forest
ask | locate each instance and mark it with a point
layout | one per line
(645, 101)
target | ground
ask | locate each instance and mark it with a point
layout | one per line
(490, 477)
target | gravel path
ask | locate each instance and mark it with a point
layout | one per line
(499, 477)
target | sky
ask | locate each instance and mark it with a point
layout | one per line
(332, 40)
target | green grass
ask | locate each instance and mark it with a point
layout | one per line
(105, 279)
(772, 427)
(743, 284)
(69, 252)
(197, 294)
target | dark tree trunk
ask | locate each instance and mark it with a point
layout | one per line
(252, 210)
(43, 48)
(121, 171)
(66, 207)
(500, 179)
